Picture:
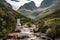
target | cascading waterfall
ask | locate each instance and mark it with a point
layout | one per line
(25, 30)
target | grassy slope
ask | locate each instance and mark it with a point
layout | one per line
(50, 21)
(56, 14)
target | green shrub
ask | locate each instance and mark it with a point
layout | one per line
(50, 32)
(53, 27)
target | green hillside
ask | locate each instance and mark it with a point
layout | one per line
(50, 24)
(8, 19)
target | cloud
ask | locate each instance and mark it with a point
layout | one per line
(17, 5)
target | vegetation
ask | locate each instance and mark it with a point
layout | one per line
(54, 24)
(50, 24)
(8, 19)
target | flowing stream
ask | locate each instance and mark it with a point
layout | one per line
(30, 35)
(27, 33)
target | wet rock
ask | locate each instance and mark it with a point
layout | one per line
(24, 37)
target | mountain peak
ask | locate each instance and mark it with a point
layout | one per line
(46, 3)
(30, 5)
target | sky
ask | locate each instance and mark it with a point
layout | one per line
(16, 4)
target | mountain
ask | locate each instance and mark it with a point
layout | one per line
(31, 11)
(5, 3)
(32, 6)
(29, 6)
(26, 8)
(8, 19)
(15, 0)
(46, 3)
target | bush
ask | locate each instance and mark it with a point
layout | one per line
(41, 27)
(50, 32)
(53, 27)
(58, 31)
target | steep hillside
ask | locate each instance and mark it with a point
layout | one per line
(5, 3)
(8, 19)
(56, 14)
(50, 24)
